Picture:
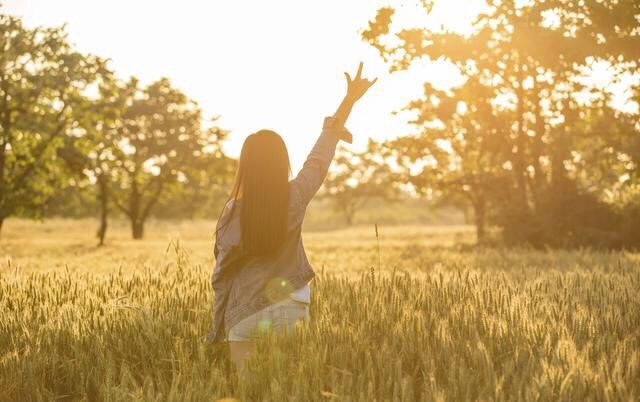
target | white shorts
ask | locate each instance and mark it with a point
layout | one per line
(275, 317)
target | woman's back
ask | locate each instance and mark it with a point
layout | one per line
(262, 271)
(249, 282)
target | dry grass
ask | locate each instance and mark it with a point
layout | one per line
(59, 244)
(434, 321)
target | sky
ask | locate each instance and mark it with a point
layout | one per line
(256, 64)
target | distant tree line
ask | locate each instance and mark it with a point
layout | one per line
(77, 141)
(527, 142)
(356, 178)
(530, 142)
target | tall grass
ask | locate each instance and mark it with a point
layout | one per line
(478, 324)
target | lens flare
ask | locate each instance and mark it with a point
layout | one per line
(277, 289)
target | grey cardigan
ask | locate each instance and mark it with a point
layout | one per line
(244, 284)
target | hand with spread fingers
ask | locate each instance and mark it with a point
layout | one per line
(358, 86)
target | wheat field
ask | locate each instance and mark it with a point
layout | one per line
(419, 314)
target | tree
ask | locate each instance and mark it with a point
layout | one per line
(461, 148)
(356, 178)
(203, 186)
(42, 79)
(91, 155)
(160, 134)
(532, 87)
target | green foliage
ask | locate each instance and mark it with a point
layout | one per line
(462, 149)
(160, 135)
(77, 201)
(525, 119)
(66, 122)
(42, 80)
(203, 186)
(567, 217)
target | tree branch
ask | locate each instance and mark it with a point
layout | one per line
(120, 205)
(153, 200)
(42, 147)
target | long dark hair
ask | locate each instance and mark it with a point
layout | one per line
(262, 189)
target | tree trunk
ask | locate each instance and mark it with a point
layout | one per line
(348, 217)
(6, 123)
(104, 208)
(194, 202)
(349, 209)
(465, 211)
(480, 211)
(561, 151)
(135, 210)
(137, 228)
(519, 163)
(538, 148)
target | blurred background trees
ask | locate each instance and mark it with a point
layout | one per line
(42, 85)
(159, 132)
(357, 178)
(529, 137)
(75, 139)
(534, 139)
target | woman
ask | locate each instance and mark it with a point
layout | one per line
(262, 272)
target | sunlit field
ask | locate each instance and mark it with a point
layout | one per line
(465, 175)
(417, 318)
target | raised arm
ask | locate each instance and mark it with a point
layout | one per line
(315, 168)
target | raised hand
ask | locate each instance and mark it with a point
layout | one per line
(357, 86)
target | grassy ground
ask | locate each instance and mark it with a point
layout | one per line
(429, 317)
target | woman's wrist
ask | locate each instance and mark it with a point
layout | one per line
(343, 112)
(349, 100)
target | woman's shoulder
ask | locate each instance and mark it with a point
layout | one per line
(228, 207)
(225, 227)
(230, 203)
